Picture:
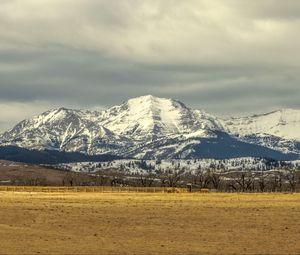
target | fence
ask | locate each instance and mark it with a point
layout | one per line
(101, 189)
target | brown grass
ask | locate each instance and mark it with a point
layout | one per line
(15, 173)
(20, 171)
(138, 223)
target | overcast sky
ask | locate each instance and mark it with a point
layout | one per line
(230, 57)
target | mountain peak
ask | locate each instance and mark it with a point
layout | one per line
(153, 103)
(148, 99)
(144, 97)
(148, 116)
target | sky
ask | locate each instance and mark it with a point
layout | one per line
(229, 57)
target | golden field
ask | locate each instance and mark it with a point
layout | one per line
(144, 223)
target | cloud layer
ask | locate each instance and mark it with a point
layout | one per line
(227, 56)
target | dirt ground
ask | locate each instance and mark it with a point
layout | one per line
(137, 223)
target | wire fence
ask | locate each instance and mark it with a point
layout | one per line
(100, 189)
(113, 189)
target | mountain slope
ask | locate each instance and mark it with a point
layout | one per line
(14, 153)
(284, 123)
(61, 129)
(279, 130)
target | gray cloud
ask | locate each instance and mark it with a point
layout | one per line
(228, 57)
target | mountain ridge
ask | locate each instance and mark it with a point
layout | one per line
(157, 128)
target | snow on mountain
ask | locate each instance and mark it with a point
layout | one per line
(279, 130)
(117, 130)
(284, 123)
(60, 129)
(151, 127)
(148, 116)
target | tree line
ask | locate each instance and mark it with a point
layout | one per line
(285, 180)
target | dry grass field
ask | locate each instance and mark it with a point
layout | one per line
(139, 223)
(19, 172)
(16, 173)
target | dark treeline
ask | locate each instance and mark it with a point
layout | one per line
(286, 180)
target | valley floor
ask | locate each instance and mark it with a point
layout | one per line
(138, 223)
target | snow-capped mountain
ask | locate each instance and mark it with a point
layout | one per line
(284, 123)
(148, 117)
(62, 129)
(279, 130)
(159, 128)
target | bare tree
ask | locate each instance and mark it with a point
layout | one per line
(174, 177)
(215, 179)
(202, 179)
(170, 178)
(290, 176)
(31, 179)
(100, 179)
(262, 181)
(245, 181)
(147, 180)
(277, 181)
(69, 179)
